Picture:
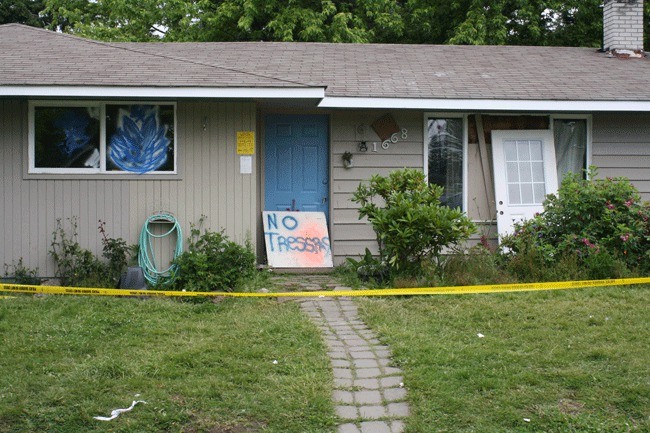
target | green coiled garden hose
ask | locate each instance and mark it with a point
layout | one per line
(146, 256)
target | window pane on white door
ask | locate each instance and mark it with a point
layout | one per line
(527, 193)
(540, 192)
(513, 172)
(538, 171)
(524, 172)
(523, 150)
(510, 149)
(526, 175)
(536, 150)
(514, 196)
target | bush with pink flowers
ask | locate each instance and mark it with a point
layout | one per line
(600, 224)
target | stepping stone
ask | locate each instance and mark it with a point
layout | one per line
(369, 394)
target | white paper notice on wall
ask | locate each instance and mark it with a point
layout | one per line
(297, 239)
(246, 164)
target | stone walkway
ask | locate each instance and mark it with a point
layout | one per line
(369, 393)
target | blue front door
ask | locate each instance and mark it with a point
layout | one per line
(296, 163)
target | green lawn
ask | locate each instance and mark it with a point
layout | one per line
(200, 367)
(565, 361)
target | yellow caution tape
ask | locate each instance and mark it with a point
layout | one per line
(449, 290)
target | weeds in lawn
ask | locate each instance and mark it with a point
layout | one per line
(117, 252)
(20, 274)
(77, 266)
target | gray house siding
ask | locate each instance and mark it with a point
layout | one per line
(350, 235)
(621, 147)
(209, 184)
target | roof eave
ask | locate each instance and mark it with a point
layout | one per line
(130, 92)
(527, 105)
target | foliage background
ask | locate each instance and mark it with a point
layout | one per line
(494, 22)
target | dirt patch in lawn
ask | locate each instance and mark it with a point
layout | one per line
(570, 407)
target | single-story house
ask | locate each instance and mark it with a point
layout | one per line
(233, 129)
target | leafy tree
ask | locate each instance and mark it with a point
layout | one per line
(299, 20)
(121, 20)
(515, 22)
(531, 22)
(230, 20)
(432, 22)
(23, 12)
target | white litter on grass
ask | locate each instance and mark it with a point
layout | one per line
(480, 335)
(527, 419)
(115, 413)
(275, 362)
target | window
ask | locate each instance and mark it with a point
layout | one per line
(94, 137)
(445, 146)
(571, 139)
(524, 171)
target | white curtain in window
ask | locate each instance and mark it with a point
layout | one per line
(570, 146)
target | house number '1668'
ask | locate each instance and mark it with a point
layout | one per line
(403, 134)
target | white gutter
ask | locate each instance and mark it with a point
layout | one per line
(164, 92)
(484, 104)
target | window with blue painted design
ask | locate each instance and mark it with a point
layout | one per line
(108, 138)
(66, 137)
(140, 138)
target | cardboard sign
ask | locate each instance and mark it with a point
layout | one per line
(297, 239)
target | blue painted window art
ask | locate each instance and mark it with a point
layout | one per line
(140, 138)
(66, 137)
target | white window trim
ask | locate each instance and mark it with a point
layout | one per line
(588, 118)
(31, 159)
(425, 152)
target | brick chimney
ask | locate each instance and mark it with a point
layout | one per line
(623, 25)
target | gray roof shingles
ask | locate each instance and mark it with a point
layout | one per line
(30, 56)
(38, 57)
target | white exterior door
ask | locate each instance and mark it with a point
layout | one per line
(524, 173)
